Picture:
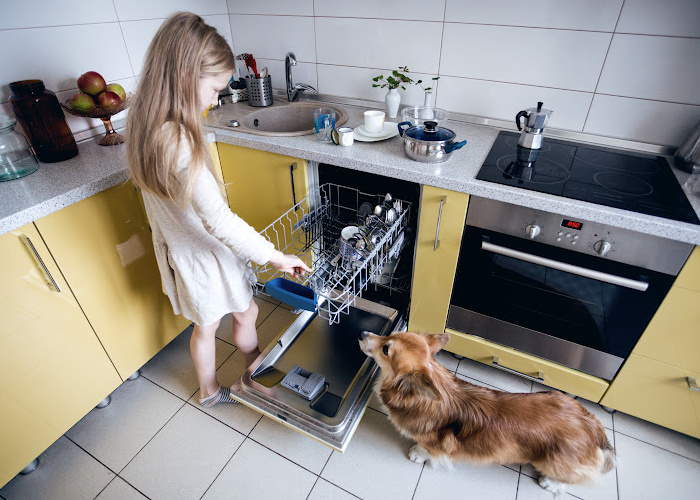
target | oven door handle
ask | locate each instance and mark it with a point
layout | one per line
(563, 266)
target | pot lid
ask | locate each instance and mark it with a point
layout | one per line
(429, 131)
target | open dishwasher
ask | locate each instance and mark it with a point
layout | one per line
(314, 378)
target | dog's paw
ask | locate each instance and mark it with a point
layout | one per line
(418, 454)
(554, 487)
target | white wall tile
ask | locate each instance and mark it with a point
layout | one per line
(271, 37)
(646, 121)
(301, 73)
(376, 43)
(130, 10)
(504, 100)
(34, 13)
(138, 36)
(551, 58)
(59, 55)
(220, 22)
(356, 82)
(653, 67)
(387, 9)
(599, 15)
(655, 17)
(277, 7)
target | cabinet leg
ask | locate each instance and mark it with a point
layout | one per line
(31, 467)
(457, 356)
(134, 375)
(104, 403)
(608, 409)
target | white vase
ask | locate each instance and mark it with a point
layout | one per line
(392, 101)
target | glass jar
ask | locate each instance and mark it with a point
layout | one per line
(42, 119)
(16, 157)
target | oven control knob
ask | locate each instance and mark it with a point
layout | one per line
(602, 247)
(532, 230)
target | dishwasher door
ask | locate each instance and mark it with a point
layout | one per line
(330, 350)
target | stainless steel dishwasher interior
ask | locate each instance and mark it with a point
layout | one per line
(331, 350)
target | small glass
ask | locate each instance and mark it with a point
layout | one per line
(324, 123)
(16, 157)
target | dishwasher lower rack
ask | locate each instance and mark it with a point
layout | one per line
(312, 230)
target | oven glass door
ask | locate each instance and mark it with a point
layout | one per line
(586, 300)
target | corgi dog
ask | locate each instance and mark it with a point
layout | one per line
(450, 419)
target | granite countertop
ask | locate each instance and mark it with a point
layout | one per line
(97, 168)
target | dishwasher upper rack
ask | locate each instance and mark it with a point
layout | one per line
(311, 229)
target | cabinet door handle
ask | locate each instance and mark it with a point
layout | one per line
(40, 262)
(537, 377)
(292, 167)
(436, 243)
(692, 384)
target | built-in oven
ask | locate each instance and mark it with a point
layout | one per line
(571, 291)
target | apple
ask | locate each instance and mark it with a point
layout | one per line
(117, 89)
(91, 83)
(109, 101)
(82, 102)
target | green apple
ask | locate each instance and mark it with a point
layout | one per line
(117, 89)
(82, 102)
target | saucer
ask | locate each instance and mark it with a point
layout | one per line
(390, 130)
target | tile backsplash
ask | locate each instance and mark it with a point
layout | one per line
(620, 68)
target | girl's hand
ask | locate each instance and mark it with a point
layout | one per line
(289, 264)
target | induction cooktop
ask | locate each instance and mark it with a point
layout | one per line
(630, 181)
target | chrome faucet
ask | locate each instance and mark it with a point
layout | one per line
(293, 90)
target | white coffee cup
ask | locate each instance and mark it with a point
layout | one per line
(374, 121)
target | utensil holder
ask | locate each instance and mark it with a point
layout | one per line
(259, 91)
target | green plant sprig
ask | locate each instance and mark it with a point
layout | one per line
(399, 79)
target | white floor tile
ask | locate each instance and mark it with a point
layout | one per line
(657, 435)
(256, 472)
(119, 489)
(375, 465)
(297, 447)
(184, 457)
(447, 360)
(240, 417)
(116, 433)
(264, 310)
(604, 417)
(172, 367)
(376, 404)
(323, 490)
(493, 376)
(647, 472)
(467, 481)
(65, 472)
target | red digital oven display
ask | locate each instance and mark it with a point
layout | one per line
(572, 224)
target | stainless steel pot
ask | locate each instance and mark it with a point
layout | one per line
(428, 143)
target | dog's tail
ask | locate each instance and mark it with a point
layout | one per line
(608, 453)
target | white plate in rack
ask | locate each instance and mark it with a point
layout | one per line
(390, 130)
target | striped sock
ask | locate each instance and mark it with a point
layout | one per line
(223, 395)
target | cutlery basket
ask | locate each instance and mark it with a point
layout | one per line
(259, 90)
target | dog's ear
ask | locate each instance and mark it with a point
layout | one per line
(417, 384)
(437, 341)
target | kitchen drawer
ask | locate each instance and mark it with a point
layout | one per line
(554, 375)
(673, 335)
(656, 392)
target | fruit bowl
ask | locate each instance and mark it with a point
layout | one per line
(112, 137)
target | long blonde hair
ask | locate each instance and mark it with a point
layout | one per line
(165, 106)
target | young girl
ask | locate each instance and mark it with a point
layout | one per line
(202, 248)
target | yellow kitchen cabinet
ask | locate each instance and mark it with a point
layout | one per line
(657, 392)
(689, 277)
(53, 369)
(261, 186)
(550, 373)
(103, 247)
(440, 226)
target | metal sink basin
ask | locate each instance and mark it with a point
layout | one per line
(287, 120)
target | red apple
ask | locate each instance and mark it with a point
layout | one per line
(91, 83)
(82, 102)
(109, 101)
(117, 89)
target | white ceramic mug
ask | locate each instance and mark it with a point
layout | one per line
(343, 136)
(374, 121)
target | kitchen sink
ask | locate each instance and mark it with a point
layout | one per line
(286, 120)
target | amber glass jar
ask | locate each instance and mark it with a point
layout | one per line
(42, 119)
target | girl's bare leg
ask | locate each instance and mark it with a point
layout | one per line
(244, 334)
(203, 352)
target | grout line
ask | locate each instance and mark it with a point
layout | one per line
(90, 454)
(121, 30)
(222, 468)
(127, 482)
(517, 485)
(415, 489)
(617, 475)
(312, 487)
(657, 446)
(602, 67)
(436, 85)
